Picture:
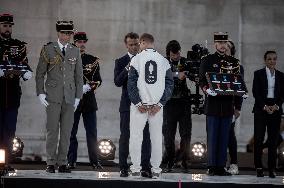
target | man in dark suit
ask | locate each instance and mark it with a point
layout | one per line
(87, 106)
(121, 69)
(268, 91)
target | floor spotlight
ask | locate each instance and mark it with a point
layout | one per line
(198, 152)
(18, 146)
(106, 149)
(3, 169)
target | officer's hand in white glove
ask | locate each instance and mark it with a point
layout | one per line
(28, 75)
(245, 96)
(42, 98)
(211, 93)
(76, 104)
(1, 73)
(86, 88)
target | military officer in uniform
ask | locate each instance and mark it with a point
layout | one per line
(87, 106)
(61, 62)
(177, 111)
(13, 55)
(219, 109)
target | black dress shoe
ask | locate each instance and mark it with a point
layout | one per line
(50, 169)
(259, 172)
(71, 165)
(169, 167)
(97, 166)
(10, 168)
(146, 173)
(211, 171)
(124, 173)
(272, 174)
(220, 171)
(185, 167)
(63, 169)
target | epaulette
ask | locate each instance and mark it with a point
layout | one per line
(233, 58)
(16, 41)
(48, 43)
(204, 56)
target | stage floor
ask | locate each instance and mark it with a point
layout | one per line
(165, 177)
(110, 178)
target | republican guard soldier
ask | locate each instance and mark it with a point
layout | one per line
(87, 106)
(13, 66)
(219, 109)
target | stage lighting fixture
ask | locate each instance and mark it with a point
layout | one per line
(198, 152)
(3, 169)
(198, 149)
(106, 149)
(18, 146)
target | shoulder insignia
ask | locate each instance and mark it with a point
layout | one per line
(48, 43)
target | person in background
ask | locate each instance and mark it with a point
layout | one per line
(177, 111)
(232, 144)
(14, 51)
(268, 92)
(87, 106)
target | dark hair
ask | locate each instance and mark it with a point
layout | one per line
(131, 35)
(233, 48)
(268, 52)
(147, 37)
(173, 46)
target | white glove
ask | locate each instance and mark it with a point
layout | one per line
(86, 88)
(1, 73)
(43, 100)
(76, 104)
(28, 75)
(211, 93)
(245, 96)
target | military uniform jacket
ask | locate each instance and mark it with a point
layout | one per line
(220, 105)
(89, 102)
(10, 89)
(64, 74)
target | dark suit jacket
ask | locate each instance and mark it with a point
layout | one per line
(120, 80)
(260, 89)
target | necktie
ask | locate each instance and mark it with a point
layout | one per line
(63, 51)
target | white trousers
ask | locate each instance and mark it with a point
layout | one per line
(137, 124)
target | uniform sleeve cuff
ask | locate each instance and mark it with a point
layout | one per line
(138, 104)
(160, 104)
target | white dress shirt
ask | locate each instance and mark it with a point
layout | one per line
(271, 82)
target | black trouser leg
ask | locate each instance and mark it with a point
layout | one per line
(124, 140)
(259, 133)
(185, 127)
(273, 128)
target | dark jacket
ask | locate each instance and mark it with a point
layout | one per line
(220, 105)
(180, 87)
(260, 89)
(120, 80)
(89, 103)
(10, 89)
